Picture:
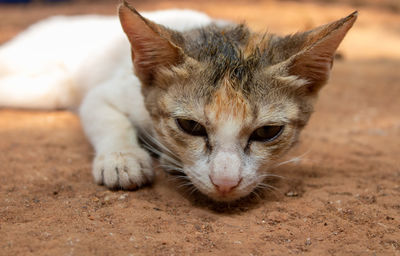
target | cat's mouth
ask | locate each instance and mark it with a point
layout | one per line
(234, 195)
(191, 186)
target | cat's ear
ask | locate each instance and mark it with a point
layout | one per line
(312, 64)
(151, 44)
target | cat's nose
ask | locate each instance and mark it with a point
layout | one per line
(225, 171)
(224, 185)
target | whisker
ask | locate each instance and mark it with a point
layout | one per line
(156, 142)
(256, 194)
(171, 167)
(187, 184)
(271, 188)
(158, 152)
(295, 159)
(178, 177)
(264, 185)
(263, 176)
(192, 190)
(162, 150)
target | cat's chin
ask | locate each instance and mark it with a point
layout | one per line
(227, 198)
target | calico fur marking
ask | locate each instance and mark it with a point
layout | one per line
(232, 81)
(228, 103)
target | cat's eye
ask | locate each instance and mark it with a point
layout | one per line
(191, 127)
(266, 133)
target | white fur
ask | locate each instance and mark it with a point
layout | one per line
(55, 62)
(60, 60)
(226, 164)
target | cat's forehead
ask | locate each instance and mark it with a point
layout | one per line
(232, 104)
(231, 51)
(226, 99)
(228, 104)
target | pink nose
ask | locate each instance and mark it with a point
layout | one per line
(225, 185)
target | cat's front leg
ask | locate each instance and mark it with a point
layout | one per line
(120, 162)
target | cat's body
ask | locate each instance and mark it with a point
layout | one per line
(55, 62)
(218, 103)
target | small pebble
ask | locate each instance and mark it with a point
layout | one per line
(291, 194)
(123, 196)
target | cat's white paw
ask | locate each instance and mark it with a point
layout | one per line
(126, 170)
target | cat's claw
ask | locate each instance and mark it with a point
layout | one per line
(126, 170)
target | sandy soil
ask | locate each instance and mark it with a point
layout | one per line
(341, 198)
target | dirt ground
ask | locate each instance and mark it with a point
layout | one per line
(342, 197)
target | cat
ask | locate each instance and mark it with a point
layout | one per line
(217, 102)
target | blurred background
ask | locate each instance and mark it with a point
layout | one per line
(345, 191)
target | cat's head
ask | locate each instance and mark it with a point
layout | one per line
(226, 103)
